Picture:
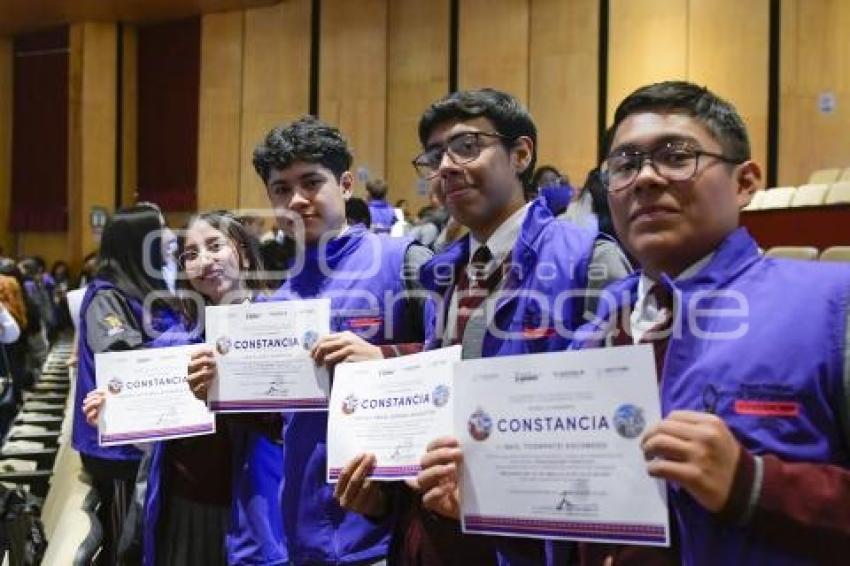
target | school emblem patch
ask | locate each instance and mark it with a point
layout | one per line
(114, 325)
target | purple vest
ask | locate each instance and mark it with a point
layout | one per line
(84, 438)
(785, 350)
(360, 273)
(541, 302)
(382, 216)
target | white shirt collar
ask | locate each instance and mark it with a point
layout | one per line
(502, 241)
(646, 313)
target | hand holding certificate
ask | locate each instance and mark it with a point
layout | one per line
(390, 408)
(551, 446)
(148, 397)
(263, 356)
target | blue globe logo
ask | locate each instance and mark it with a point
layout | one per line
(440, 396)
(629, 421)
(479, 425)
(310, 339)
(349, 404)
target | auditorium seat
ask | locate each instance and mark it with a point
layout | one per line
(826, 176)
(809, 195)
(836, 253)
(793, 252)
(756, 201)
(778, 197)
(839, 193)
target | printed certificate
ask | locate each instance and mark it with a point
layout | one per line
(551, 446)
(147, 397)
(263, 355)
(391, 408)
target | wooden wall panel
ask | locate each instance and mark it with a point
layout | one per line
(220, 110)
(6, 65)
(648, 41)
(815, 59)
(51, 246)
(93, 116)
(417, 75)
(493, 45)
(728, 52)
(353, 79)
(275, 82)
(129, 114)
(564, 83)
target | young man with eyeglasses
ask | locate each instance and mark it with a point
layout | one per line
(752, 353)
(515, 284)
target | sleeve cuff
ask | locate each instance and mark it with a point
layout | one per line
(745, 491)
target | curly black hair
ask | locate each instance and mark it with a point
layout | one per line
(306, 139)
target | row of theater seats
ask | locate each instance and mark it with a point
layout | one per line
(37, 456)
(834, 253)
(825, 186)
(815, 194)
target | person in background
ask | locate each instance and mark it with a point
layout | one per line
(62, 284)
(544, 176)
(380, 211)
(358, 212)
(112, 318)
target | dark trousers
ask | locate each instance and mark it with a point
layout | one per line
(114, 481)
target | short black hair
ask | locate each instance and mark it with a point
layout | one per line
(508, 115)
(357, 212)
(377, 188)
(681, 97)
(306, 139)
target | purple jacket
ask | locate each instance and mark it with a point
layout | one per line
(770, 362)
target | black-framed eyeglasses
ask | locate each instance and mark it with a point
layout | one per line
(673, 161)
(462, 148)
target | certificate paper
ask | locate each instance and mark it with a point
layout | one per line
(551, 446)
(147, 397)
(391, 408)
(263, 355)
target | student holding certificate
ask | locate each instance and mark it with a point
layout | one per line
(514, 285)
(369, 279)
(752, 352)
(111, 319)
(213, 500)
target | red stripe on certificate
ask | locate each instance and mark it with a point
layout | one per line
(767, 408)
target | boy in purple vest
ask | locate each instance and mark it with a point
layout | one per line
(380, 211)
(372, 285)
(500, 291)
(752, 353)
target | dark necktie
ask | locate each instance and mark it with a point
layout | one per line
(659, 334)
(473, 286)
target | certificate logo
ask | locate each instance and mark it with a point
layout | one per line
(310, 339)
(115, 386)
(629, 421)
(349, 404)
(222, 345)
(440, 396)
(479, 425)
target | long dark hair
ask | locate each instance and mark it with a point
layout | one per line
(251, 265)
(130, 255)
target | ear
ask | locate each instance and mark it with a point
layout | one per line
(521, 154)
(749, 181)
(346, 183)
